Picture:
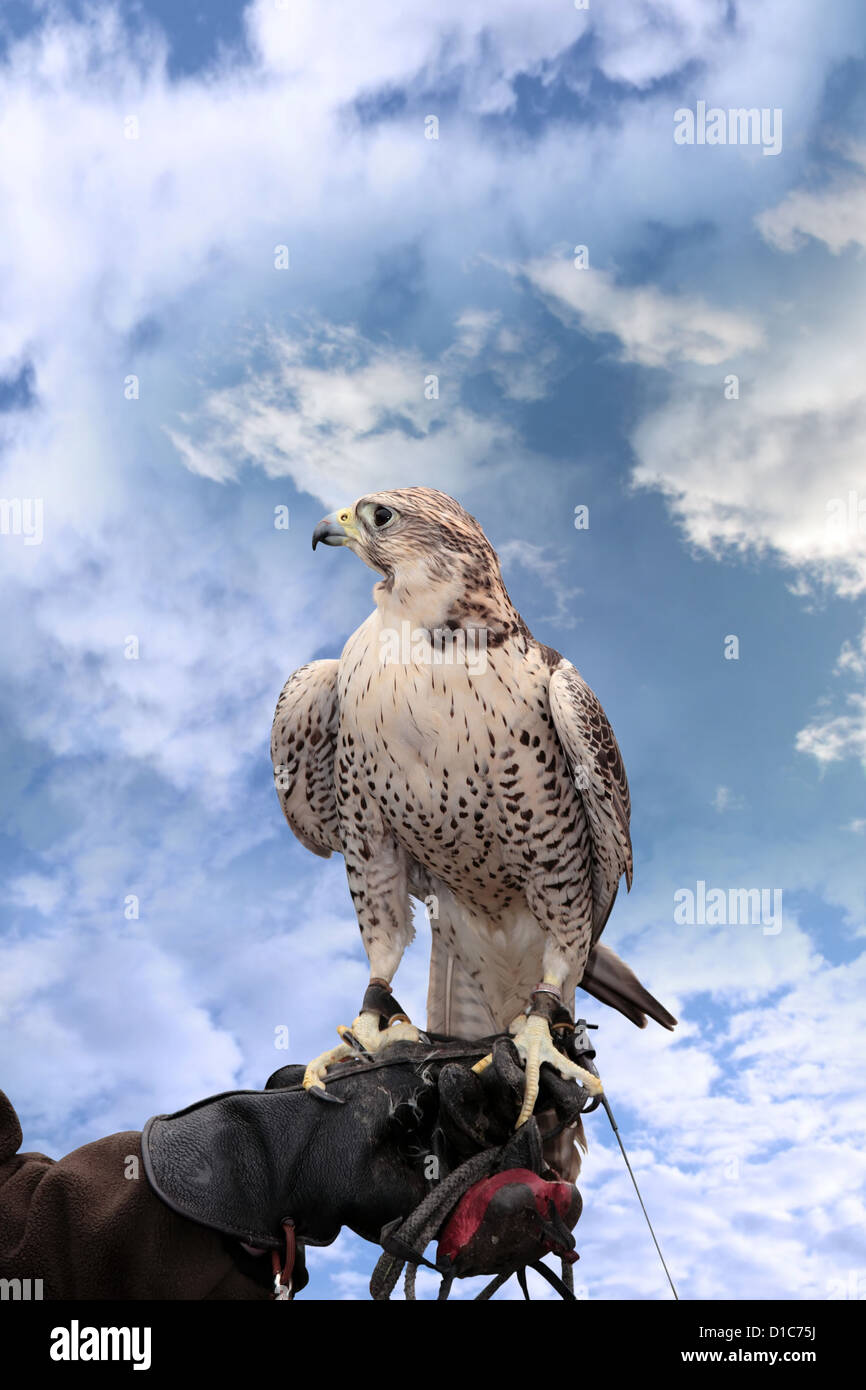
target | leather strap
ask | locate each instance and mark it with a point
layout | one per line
(450, 1051)
(283, 1289)
(562, 1021)
(378, 999)
(545, 1004)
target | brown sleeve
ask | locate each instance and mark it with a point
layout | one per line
(89, 1226)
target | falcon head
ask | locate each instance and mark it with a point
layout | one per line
(392, 530)
(434, 558)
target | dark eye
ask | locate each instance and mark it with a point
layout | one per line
(381, 516)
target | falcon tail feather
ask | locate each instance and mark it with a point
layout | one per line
(609, 979)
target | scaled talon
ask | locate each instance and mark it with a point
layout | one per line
(365, 1034)
(534, 1043)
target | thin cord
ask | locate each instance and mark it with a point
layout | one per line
(606, 1104)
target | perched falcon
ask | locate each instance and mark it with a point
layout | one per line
(451, 757)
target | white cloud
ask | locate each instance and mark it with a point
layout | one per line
(201, 664)
(724, 1141)
(382, 47)
(521, 363)
(737, 466)
(740, 473)
(547, 569)
(843, 736)
(640, 42)
(731, 964)
(37, 890)
(654, 328)
(351, 422)
(853, 658)
(835, 215)
(725, 800)
(830, 737)
(62, 1018)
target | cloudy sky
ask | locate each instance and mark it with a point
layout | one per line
(230, 258)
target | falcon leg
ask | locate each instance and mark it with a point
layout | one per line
(368, 1030)
(534, 1043)
(376, 869)
(380, 1023)
(533, 1038)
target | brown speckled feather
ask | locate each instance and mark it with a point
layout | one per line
(303, 740)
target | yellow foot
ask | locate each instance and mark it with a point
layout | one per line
(535, 1045)
(364, 1036)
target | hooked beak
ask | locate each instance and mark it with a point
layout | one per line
(336, 529)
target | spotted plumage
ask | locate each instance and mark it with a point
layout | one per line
(487, 783)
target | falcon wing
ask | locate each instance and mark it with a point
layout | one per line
(596, 766)
(303, 745)
(597, 769)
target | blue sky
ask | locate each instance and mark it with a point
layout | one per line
(153, 257)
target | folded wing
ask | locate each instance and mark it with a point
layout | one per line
(597, 770)
(303, 746)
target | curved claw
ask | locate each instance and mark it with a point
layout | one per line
(534, 1043)
(314, 1076)
(354, 1044)
(360, 1041)
(318, 1090)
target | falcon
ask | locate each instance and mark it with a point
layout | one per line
(451, 757)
